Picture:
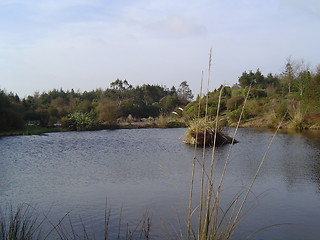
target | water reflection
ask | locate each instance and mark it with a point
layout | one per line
(150, 169)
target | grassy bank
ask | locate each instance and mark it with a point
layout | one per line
(30, 130)
(37, 130)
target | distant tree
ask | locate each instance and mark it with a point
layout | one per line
(252, 79)
(169, 103)
(11, 114)
(272, 81)
(173, 91)
(288, 77)
(246, 79)
(120, 85)
(259, 79)
(313, 89)
(303, 76)
(184, 92)
(152, 93)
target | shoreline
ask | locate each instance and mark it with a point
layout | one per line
(37, 130)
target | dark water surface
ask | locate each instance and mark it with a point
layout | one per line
(139, 170)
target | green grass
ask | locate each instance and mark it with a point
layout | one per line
(30, 130)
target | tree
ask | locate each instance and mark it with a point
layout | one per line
(252, 79)
(173, 91)
(184, 92)
(288, 76)
(11, 116)
(303, 76)
(120, 85)
(259, 79)
(169, 103)
(313, 90)
(247, 79)
(272, 81)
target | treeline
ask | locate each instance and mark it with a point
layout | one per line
(91, 109)
(293, 95)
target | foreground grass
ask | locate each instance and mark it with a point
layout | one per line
(24, 223)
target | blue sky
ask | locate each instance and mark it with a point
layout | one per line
(87, 44)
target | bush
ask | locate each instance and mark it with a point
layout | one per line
(108, 111)
(282, 109)
(235, 102)
(176, 124)
(258, 93)
(78, 121)
(10, 120)
(253, 108)
(235, 115)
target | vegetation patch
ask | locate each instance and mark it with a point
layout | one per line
(203, 133)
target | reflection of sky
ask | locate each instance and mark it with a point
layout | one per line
(150, 168)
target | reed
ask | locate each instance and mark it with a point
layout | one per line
(207, 219)
(23, 223)
(19, 224)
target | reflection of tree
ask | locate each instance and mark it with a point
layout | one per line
(293, 160)
(315, 172)
(313, 140)
(300, 161)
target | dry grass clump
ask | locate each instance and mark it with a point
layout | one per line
(202, 132)
(297, 116)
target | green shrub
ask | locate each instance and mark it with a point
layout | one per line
(253, 108)
(78, 121)
(258, 93)
(176, 124)
(282, 109)
(235, 115)
(235, 102)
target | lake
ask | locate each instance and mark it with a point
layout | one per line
(133, 172)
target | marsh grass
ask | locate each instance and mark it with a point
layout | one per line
(297, 116)
(24, 223)
(162, 121)
(209, 219)
(19, 224)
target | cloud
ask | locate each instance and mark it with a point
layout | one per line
(164, 18)
(172, 26)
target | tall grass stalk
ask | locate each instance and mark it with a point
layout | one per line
(203, 150)
(212, 222)
(194, 162)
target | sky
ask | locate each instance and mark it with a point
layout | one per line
(87, 44)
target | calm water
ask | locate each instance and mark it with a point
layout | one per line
(141, 170)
